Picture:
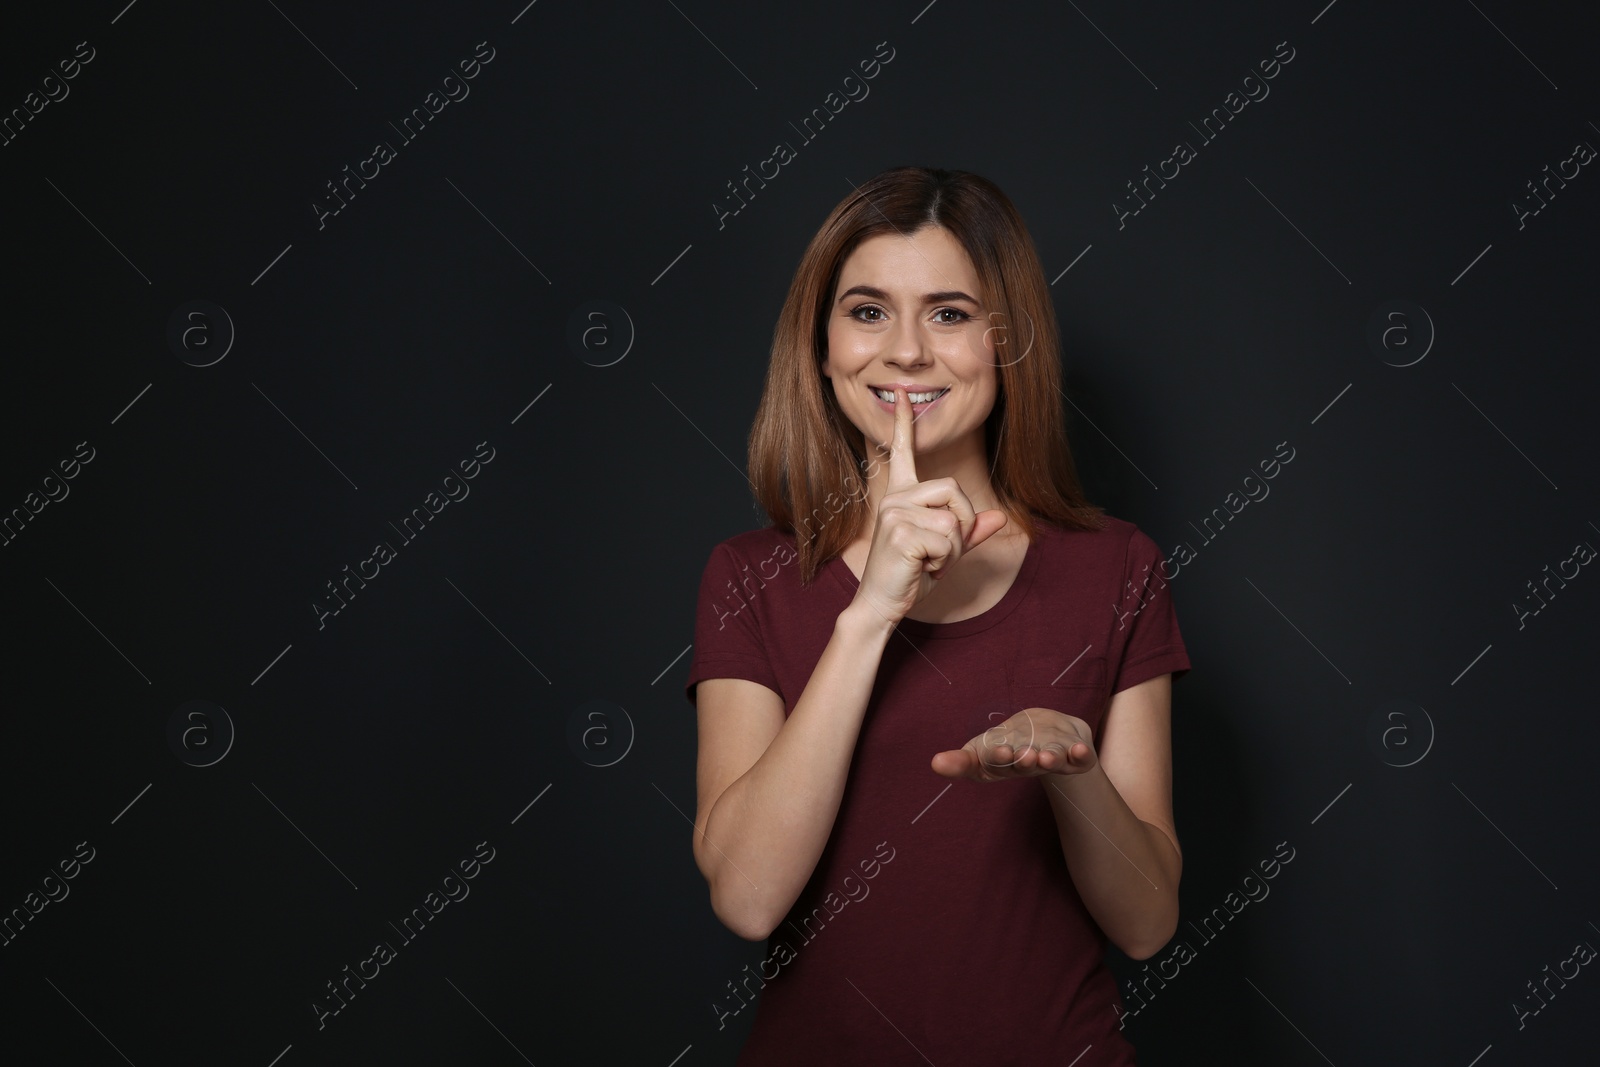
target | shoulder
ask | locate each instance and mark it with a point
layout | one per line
(753, 546)
(1112, 544)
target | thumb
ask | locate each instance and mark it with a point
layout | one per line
(985, 524)
(955, 763)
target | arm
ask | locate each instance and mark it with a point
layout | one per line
(758, 838)
(1116, 826)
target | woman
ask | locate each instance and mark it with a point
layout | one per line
(934, 760)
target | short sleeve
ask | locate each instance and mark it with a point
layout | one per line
(727, 634)
(1147, 619)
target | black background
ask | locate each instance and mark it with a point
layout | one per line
(376, 351)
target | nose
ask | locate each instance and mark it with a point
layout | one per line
(906, 346)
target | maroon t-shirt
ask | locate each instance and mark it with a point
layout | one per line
(941, 922)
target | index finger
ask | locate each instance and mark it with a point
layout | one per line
(902, 465)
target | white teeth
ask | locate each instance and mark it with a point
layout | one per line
(915, 398)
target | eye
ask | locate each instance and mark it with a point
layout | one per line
(856, 311)
(962, 316)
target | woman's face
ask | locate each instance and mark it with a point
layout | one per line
(906, 310)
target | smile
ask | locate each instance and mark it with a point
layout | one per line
(919, 401)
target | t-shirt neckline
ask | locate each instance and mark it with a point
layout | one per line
(974, 624)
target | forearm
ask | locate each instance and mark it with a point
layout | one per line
(769, 826)
(1126, 870)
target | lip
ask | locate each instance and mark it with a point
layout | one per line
(916, 409)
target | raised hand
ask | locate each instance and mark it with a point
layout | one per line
(922, 528)
(1033, 742)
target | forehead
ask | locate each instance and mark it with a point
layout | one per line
(908, 264)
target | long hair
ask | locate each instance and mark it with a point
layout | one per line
(804, 452)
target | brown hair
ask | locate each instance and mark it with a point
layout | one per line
(804, 451)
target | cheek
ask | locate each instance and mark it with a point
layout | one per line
(980, 337)
(982, 382)
(846, 350)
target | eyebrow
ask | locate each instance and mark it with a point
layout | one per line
(928, 298)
